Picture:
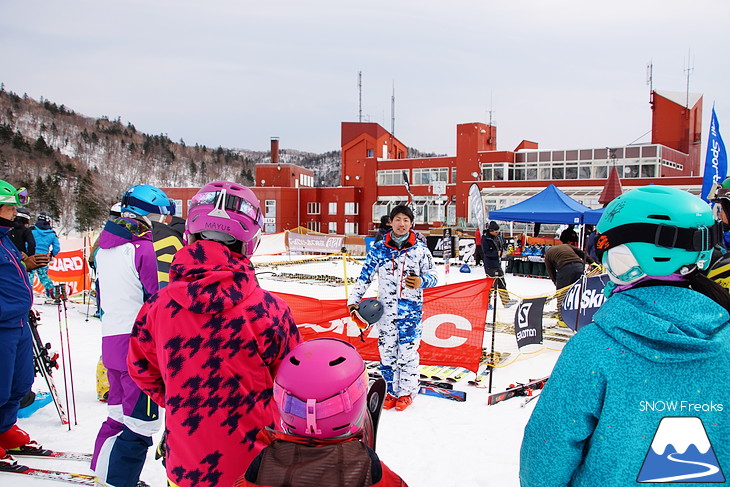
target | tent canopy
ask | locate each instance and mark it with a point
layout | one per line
(591, 217)
(548, 206)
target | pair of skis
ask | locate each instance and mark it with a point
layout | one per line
(46, 474)
(518, 390)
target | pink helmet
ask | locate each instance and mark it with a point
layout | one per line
(321, 389)
(226, 212)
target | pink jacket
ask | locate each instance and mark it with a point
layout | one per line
(206, 348)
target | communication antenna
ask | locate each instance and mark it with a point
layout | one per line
(491, 111)
(359, 91)
(650, 78)
(392, 111)
(688, 70)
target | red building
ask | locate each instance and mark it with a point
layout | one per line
(374, 163)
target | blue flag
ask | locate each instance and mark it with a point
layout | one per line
(715, 160)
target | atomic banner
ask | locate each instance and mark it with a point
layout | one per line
(453, 323)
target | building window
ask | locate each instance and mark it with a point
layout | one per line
(429, 175)
(350, 228)
(351, 209)
(178, 208)
(313, 208)
(332, 208)
(371, 153)
(270, 208)
(313, 226)
(391, 177)
(332, 227)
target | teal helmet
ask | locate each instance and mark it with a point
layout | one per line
(655, 231)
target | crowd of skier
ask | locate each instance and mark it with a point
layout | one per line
(247, 402)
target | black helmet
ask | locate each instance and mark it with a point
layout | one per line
(370, 310)
(23, 213)
(43, 216)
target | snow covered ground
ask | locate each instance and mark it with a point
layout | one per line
(434, 442)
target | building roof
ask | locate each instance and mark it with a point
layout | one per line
(612, 188)
(680, 97)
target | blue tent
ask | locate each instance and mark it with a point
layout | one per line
(548, 206)
(591, 217)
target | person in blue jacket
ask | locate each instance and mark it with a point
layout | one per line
(640, 395)
(16, 349)
(46, 242)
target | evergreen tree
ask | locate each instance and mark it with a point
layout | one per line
(90, 211)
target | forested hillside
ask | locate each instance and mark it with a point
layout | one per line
(76, 167)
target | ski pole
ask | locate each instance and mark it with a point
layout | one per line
(494, 326)
(64, 298)
(57, 292)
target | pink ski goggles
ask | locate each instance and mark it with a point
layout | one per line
(231, 203)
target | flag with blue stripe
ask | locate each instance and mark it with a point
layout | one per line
(715, 160)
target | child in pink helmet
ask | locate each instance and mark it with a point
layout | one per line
(320, 392)
(207, 346)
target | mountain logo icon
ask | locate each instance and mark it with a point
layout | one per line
(681, 452)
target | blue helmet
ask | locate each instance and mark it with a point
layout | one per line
(144, 199)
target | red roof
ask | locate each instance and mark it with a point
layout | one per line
(612, 188)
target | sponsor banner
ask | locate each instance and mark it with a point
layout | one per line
(325, 244)
(70, 268)
(583, 300)
(436, 245)
(477, 206)
(453, 323)
(715, 159)
(446, 250)
(467, 250)
(528, 321)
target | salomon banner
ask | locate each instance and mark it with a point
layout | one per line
(528, 321)
(579, 306)
(453, 323)
(70, 268)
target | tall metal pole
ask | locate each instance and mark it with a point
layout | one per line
(359, 91)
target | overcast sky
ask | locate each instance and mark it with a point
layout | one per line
(563, 73)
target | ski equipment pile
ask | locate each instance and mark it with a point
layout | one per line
(45, 362)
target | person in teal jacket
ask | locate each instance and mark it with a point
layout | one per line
(46, 242)
(640, 395)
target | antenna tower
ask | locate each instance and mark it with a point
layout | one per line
(359, 91)
(392, 111)
(688, 70)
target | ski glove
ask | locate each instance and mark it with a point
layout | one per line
(352, 307)
(413, 282)
(35, 261)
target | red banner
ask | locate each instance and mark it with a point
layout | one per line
(70, 268)
(453, 323)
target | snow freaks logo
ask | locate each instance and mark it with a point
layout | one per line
(681, 452)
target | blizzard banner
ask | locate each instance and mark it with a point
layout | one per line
(528, 321)
(453, 323)
(326, 244)
(69, 268)
(579, 307)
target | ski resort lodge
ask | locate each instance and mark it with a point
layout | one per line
(374, 162)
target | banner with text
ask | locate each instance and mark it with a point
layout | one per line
(528, 321)
(69, 268)
(453, 323)
(325, 244)
(583, 300)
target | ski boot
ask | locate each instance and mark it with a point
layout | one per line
(403, 402)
